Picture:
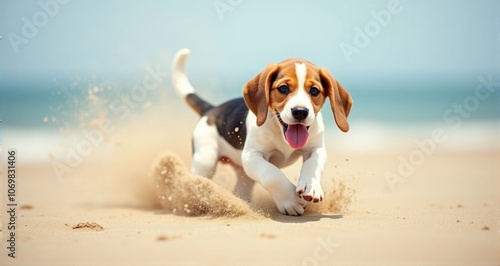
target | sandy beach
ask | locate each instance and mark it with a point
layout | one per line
(107, 211)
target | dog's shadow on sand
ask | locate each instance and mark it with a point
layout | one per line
(277, 217)
(304, 218)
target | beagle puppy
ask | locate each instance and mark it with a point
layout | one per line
(277, 121)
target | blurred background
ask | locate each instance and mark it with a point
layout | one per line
(410, 66)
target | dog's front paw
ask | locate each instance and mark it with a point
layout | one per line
(310, 190)
(289, 203)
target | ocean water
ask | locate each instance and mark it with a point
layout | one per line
(388, 116)
(394, 103)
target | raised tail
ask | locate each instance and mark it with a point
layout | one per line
(182, 85)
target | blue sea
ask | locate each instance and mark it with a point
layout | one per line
(386, 115)
(392, 102)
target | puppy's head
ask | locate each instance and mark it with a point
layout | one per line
(295, 90)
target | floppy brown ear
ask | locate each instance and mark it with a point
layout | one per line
(256, 93)
(340, 100)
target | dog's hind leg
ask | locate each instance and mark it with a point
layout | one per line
(203, 164)
(244, 185)
(205, 149)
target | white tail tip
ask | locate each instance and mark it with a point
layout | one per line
(179, 78)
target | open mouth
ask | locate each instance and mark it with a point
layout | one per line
(296, 135)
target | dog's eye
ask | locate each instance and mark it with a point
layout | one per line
(314, 91)
(283, 89)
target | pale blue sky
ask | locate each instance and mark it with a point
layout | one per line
(425, 39)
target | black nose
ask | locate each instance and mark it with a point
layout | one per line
(300, 113)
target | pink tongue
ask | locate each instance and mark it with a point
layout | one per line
(297, 136)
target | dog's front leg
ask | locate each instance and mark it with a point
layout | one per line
(274, 181)
(309, 187)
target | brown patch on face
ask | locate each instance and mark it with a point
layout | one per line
(313, 80)
(285, 77)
